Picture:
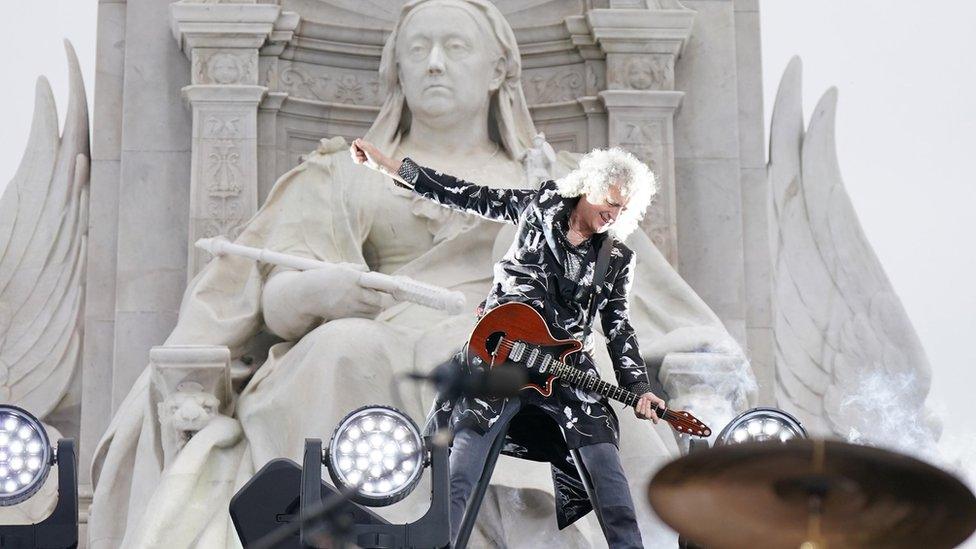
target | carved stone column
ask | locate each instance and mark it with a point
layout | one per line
(222, 41)
(642, 47)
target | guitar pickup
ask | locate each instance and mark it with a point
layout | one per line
(518, 349)
(546, 361)
(533, 356)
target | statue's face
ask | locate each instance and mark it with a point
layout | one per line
(446, 72)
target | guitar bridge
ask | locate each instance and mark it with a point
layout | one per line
(518, 349)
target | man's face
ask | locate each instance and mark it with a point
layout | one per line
(600, 216)
(445, 71)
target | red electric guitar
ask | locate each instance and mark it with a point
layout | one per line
(516, 333)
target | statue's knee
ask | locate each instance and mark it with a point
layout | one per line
(347, 333)
(352, 349)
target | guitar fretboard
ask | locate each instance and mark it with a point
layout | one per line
(592, 382)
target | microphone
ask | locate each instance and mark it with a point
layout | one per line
(452, 381)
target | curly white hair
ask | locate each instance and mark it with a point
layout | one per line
(601, 168)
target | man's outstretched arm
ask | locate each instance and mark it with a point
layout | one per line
(495, 204)
(490, 203)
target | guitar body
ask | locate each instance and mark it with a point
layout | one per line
(516, 334)
(518, 321)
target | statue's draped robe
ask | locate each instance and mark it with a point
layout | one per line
(322, 209)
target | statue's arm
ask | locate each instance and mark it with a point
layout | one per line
(295, 302)
(621, 337)
(494, 204)
(282, 315)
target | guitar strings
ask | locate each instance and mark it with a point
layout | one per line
(667, 413)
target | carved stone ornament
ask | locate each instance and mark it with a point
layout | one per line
(43, 242)
(339, 87)
(553, 87)
(224, 172)
(645, 72)
(191, 386)
(222, 126)
(225, 67)
(848, 360)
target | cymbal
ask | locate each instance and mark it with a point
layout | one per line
(773, 495)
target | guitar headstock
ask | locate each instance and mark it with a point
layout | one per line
(685, 423)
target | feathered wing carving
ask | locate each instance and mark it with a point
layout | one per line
(846, 352)
(43, 228)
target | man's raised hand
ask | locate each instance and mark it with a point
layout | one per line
(365, 153)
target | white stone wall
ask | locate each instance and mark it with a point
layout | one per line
(755, 197)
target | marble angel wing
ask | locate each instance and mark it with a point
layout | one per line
(840, 331)
(43, 227)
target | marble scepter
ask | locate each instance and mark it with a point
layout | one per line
(402, 288)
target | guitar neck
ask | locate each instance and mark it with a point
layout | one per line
(583, 380)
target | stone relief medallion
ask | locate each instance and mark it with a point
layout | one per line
(225, 67)
(642, 72)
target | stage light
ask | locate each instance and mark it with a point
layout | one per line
(380, 449)
(286, 505)
(26, 458)
(761, 425)
(25, 455)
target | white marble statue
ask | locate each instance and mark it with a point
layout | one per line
(43, 228)
(848, 361)
(540, 160)
(451, 72)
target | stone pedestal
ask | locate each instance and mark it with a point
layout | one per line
(222, 42)
(642, 47)
(190, 385)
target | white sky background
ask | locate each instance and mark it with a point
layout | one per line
(905, 131)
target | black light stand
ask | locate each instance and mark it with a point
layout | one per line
(281, 493)
(60, 529)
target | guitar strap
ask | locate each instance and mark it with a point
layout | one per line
(599, 274)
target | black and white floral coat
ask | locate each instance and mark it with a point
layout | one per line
(544, 270)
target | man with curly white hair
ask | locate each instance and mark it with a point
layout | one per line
(552, 266)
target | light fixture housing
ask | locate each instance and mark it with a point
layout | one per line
(761, 425)
(26, 459)
(380, 449)
(25, 455)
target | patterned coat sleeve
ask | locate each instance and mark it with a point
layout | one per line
(621, 339)
(495, 204)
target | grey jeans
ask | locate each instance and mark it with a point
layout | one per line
(614, 505)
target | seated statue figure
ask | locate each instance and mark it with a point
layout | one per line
(451, 71)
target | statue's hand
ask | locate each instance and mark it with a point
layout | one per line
(295, 302)
(334, 292)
